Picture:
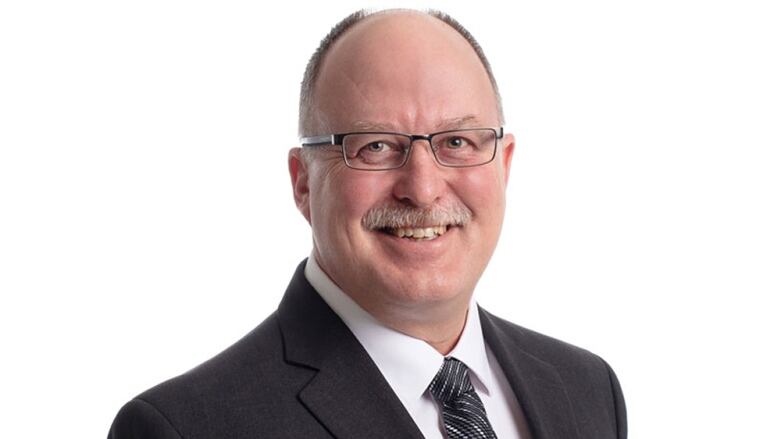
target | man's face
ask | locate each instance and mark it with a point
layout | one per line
(410, 74)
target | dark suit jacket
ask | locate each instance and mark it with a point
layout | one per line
(302, 374)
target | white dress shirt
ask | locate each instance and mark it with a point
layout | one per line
(410, 364)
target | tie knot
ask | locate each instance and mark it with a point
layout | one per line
(451, 381)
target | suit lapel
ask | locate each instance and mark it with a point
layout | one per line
(348, 393)
(536, 384)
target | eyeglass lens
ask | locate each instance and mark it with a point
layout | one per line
(389, 150)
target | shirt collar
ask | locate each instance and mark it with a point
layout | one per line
(471, 350)
(407, 363)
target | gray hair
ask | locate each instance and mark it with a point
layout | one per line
(394, 215)
(306, 113)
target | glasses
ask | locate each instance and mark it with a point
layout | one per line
(380, 151)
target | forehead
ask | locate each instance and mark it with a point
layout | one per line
(410, 71)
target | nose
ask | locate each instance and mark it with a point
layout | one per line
(421, 181)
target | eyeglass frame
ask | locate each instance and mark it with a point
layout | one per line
(338, 140)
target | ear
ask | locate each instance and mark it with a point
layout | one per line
(507, 152)
(299, 177)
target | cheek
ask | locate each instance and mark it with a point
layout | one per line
(482, 189)
(346, 195)
(359, 195)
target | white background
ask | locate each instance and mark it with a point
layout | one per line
(146, 219)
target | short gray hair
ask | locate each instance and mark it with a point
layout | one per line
(306, 116)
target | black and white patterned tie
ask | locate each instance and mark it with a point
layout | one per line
(462, 410)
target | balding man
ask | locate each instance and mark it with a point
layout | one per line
(402, 176)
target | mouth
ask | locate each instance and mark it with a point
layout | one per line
(417, 233)
(404, 223)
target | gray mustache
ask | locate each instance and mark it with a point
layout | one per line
(399, 215)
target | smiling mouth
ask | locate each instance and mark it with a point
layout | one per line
(417, 233)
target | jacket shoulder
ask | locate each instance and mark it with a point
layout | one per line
(248, 378)
(592, 387)
(547, 349)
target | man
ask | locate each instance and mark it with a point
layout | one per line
(402, 176)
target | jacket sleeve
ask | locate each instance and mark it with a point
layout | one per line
(140, 420)
(620, 405)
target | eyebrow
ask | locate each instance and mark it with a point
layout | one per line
(456, 122)
(444, 124)
(365, 125)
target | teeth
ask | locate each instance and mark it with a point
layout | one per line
(419, 232)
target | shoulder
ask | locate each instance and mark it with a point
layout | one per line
(249, 376)
(552, 351)
(252, 358)
(591, 387)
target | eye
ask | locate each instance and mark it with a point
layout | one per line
(376, 147)
(455, 142)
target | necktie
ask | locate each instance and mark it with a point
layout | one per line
(462, 410)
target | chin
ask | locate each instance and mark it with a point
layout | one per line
(423, 289)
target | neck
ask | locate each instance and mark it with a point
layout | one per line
(437, 322)
(440, 326)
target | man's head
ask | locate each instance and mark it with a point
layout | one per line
(308, 121)
(405, 72)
